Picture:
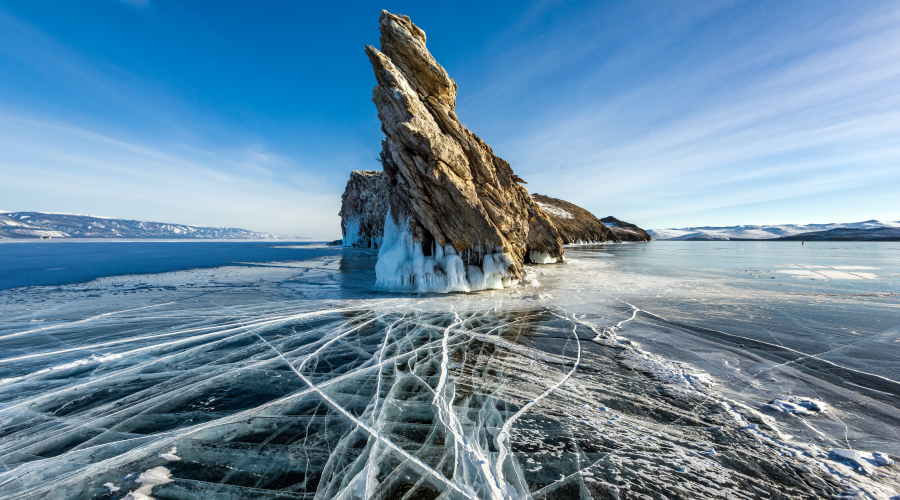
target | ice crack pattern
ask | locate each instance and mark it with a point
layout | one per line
(278, 383)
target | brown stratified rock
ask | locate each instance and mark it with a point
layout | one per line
(625, 231)
(575, 224)
(364, 205)
(458, 218)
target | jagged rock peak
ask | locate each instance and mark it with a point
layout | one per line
(363, 208)
(404, 43)
(458, 218)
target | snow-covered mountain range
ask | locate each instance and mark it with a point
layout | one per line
(766, 232)
(37, 225)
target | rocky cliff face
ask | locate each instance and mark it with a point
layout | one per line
(364, 205)
(575, 224)
(458, 220)
(625, 231)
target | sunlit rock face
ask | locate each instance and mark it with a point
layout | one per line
(363, 208)
(458, 218)
(575, 224)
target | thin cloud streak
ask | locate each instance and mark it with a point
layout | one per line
(699, 137)
(210, 188)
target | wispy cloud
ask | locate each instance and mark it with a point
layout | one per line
(663, 113)
(149, 155)
(790, 111)
(71, 167)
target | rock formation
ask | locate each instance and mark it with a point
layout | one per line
(364, 205)
(625, 231)
(575, 224)
(458, 220)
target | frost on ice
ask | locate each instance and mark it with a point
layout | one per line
(798, 405)
(148, 480)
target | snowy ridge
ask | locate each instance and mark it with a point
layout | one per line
(760, 232)
(559, 212)
(58, 225)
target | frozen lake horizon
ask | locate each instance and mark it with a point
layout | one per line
(273, 370)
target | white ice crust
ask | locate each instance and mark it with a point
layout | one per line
(403, 267)
(550, 209)
(351, 232)
(798, 405)
(861, 459)
(153, 477)
(538, 257)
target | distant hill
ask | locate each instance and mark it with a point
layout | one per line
(37, 224)
(849, 234)
(867, 230)
(626, 231)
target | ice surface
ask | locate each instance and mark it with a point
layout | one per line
(295, 380)
(829, 274)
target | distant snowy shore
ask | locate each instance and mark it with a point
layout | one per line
(867, 230)
(31, 225)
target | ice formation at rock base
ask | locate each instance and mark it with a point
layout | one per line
(403, 266)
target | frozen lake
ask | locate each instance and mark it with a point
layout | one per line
(271, 370)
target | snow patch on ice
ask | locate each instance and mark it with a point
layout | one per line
(668, 372)
(798, 405)
(170, 455)
(861, 459)
(149, 479)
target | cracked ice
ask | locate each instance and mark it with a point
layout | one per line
(295, 381)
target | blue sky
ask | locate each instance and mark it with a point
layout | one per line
(252, 114)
